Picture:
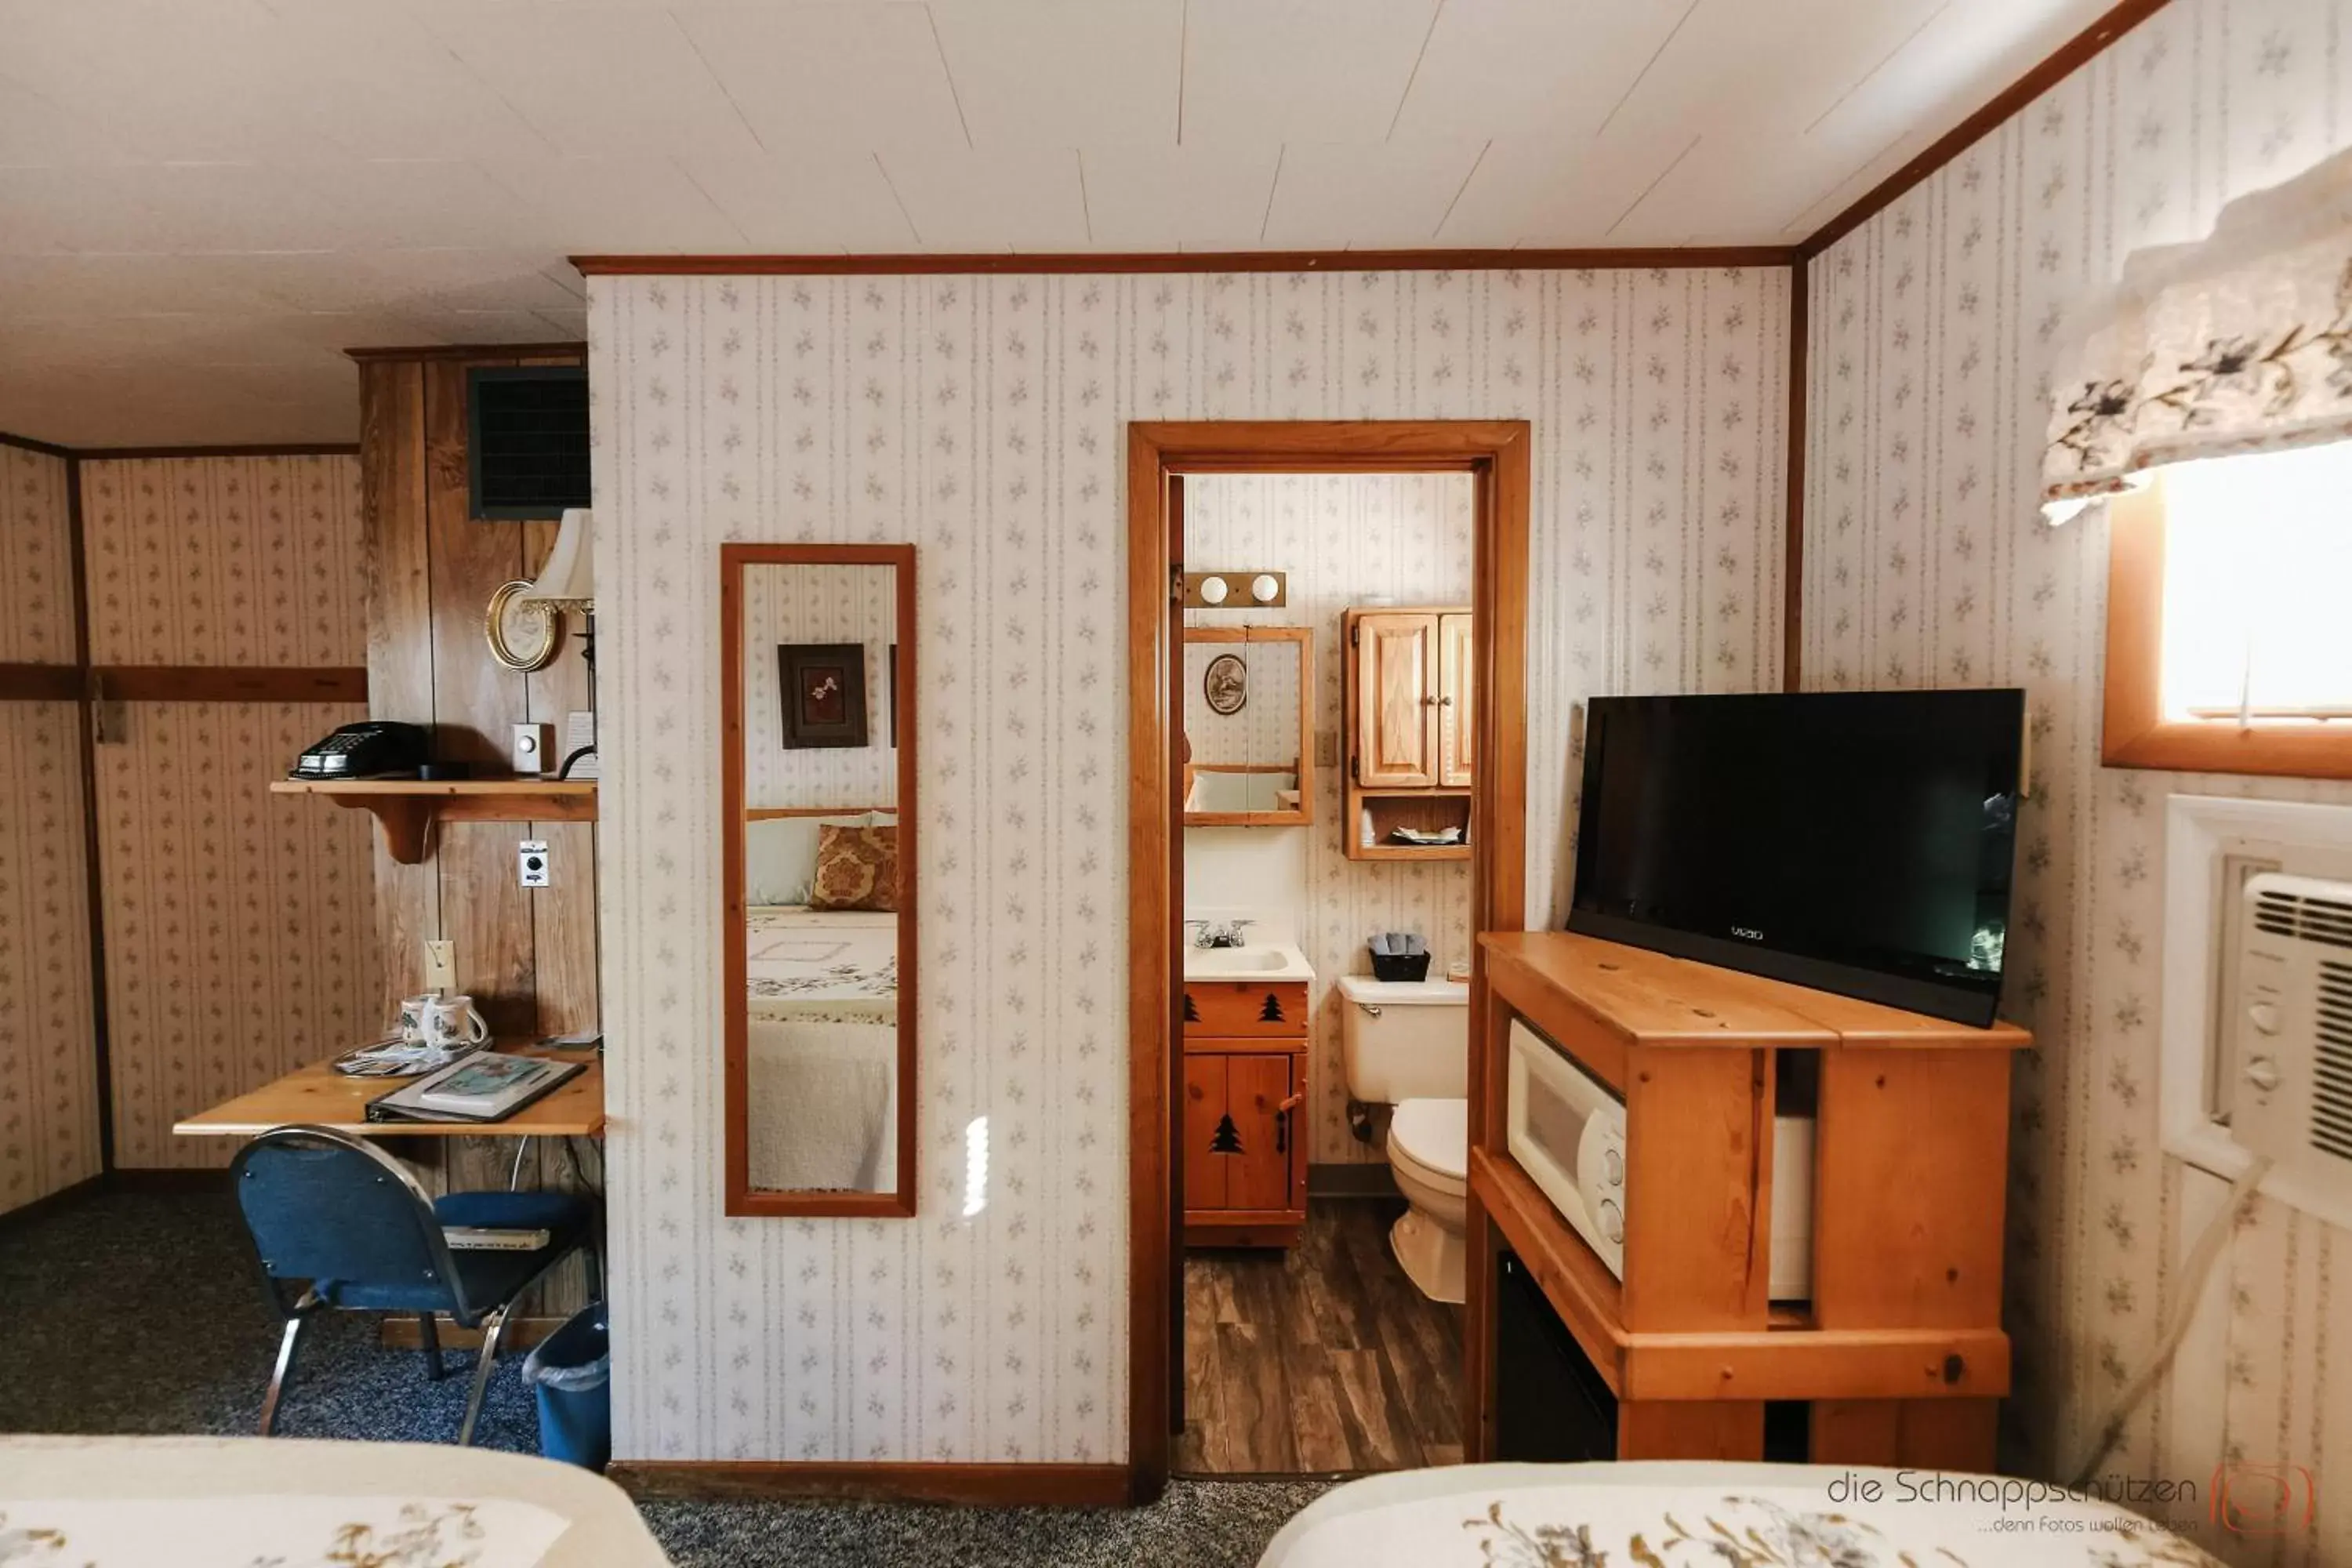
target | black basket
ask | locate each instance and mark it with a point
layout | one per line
(1400, 966)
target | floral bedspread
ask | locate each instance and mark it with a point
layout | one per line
(1719, 1516)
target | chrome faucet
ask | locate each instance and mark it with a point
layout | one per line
(1218, 933)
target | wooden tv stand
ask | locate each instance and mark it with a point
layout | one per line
(1900, 1351)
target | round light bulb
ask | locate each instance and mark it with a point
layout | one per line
(1213, 590)
(1263, 587)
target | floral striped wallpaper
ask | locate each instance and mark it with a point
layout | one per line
(48, 1053)
(240, 927)
(817, 605)
(984, 419)
(36, 559)
(1345, 541)
(236, 561)
(1927, 565)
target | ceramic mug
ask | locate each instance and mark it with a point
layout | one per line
(412, 1018)
(451, 1021)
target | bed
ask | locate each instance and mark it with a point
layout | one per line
(806, 965)
(232, 1502)
(1719, 1516)
(824, 1047)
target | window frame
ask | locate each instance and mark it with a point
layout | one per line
(2135, 732)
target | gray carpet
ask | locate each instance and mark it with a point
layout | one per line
(139, 1313)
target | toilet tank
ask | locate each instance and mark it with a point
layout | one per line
(1404, 1039)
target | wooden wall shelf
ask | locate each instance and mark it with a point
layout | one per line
(406, 809)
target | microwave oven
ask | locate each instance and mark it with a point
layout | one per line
(1567, 1130)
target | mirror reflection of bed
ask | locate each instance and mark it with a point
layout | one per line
(822, 1000)
(820, 1021)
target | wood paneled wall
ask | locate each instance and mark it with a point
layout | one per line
(527, 958)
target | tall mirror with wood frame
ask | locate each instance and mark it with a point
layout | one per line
(818, 687)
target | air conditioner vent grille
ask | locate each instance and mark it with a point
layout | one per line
(2313, 919)
(2331, 1098)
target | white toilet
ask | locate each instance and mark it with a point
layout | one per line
(1407, 1044)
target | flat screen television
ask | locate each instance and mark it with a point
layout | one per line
(1856, 842)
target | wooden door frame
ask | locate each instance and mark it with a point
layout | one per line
(1496, 454)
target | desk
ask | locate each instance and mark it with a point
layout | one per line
(317, 1095)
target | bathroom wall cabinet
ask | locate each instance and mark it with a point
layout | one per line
(1245, 1097)
(1407, 708)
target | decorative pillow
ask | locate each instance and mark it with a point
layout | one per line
(856, 868)
(780, 856)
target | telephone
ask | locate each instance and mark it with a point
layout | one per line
(372, 749)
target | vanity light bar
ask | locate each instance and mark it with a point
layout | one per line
(1235, 590)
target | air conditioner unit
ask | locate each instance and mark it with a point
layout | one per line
(2292, 1016)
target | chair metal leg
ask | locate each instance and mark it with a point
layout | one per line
(430, 1335)
(491, 1327)
(286, 1349)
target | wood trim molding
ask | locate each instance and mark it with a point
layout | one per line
(42, 683)
(26, 443)
(485, 354)
(1497, 453)
(1182, 261)
(287, 449)
(228, 683)
(742, 1198)
(771, 813)
(2061, 63)
(119, 454)
(991, 1486)
(1792, 586)
(101, 1023)
(2133, 733)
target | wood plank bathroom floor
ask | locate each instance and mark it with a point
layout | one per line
(1321, 1359)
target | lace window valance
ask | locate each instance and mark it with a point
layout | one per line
(2240, 342)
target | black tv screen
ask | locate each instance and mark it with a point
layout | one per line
(1857, 842)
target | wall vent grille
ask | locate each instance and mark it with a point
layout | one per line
(2309, 918)
(2331, 1096)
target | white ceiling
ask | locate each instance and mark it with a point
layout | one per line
(203, 201)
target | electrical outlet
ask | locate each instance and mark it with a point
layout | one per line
(1326, 748)
(441, 965)
(531, 862)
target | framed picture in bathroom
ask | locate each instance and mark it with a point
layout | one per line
(824, 687)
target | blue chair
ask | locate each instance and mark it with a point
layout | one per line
(350, 1223)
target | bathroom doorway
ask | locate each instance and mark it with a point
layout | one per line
(1355, 591)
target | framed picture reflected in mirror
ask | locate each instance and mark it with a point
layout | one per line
(824, 687)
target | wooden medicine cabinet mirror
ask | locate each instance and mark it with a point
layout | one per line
(1249, 721)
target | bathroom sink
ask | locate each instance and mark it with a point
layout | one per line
(1257, 961)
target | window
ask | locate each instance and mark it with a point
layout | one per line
(2229, 587)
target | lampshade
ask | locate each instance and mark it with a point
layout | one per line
(571, 575)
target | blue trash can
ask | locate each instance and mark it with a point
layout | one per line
(570, 1370)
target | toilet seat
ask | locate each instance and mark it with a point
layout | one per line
(1433, 1137)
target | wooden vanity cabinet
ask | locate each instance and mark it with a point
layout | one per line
(1245, 1097)
(1410, 747)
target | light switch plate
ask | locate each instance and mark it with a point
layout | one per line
(531, 862)
(441, 965)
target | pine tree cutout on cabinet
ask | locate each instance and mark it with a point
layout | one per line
(1227, 1138)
